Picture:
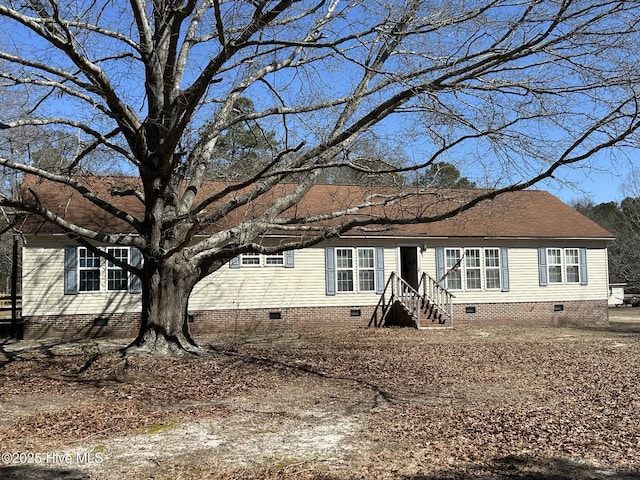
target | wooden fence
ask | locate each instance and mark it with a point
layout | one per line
(7, 308)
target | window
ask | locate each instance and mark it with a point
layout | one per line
(86, 271)
(554, 265)
(473, 268)
(565, 265)
(366, 270)
(249, 259)
(354, 270)
(344, 269)
(283, 259)
(453, 257)
(274, 259)
(117, 278)
(492, 268)
(572, 265)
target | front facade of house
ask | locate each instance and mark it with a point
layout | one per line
(497, 278)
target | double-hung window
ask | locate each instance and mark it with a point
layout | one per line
(572, 265)
(563, 265)
(117, 277)
(366, 270)
(492, 268)
(554, 265)
(356, 270)
(473, 268)
(453, 259)
(86, 271)
(344, 269)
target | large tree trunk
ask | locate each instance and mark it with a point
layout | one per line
(166, 287)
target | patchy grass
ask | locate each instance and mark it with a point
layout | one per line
(477, 403)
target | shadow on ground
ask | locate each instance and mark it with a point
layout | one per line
(514, 467)
(39, 472)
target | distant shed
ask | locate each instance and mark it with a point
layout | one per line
(616, 294)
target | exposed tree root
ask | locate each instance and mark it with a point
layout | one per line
(156, 341)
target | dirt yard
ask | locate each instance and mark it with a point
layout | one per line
(473, 403)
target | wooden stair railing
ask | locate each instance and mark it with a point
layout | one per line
(438, 301)
(430, 301)
(385, 304)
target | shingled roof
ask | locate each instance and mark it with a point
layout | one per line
(521, 214)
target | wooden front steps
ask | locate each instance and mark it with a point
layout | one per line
(429, 306)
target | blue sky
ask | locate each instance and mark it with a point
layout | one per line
(603, 181)
(600, 181)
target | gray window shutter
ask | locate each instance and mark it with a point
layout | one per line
(439, 263)
(288, 259)
(330, 270)
(70, 270)
(380, 270)
(504, 268)
(135, 285)
(583, 267)
(234, 262)
(542, 266)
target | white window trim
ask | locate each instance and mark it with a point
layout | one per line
(483, 270)
(497, 267)
(355, 269)
(246, 256)
(273, 256)
(80, 269)
(263, 260)
(104, 272)
(563, 266)
(287, 260)
(115, 267)
(351, 269)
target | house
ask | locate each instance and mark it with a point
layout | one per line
(522, 258)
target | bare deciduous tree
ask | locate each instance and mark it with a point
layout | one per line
(518, 88)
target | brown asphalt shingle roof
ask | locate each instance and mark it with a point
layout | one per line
(523, 214)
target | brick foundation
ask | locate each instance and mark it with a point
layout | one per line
(573, 313)
(81, 326)
(230, 321)
(201, 322)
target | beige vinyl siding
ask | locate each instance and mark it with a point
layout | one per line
(304, 285)
(272, 287)
(523, 274)
(43, 285)
(245, 287)
(261, 286)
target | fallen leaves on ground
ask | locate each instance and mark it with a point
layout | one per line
(501, 402)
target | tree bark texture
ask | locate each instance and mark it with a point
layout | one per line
(166, 287)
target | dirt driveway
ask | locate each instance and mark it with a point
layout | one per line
(477, 403)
